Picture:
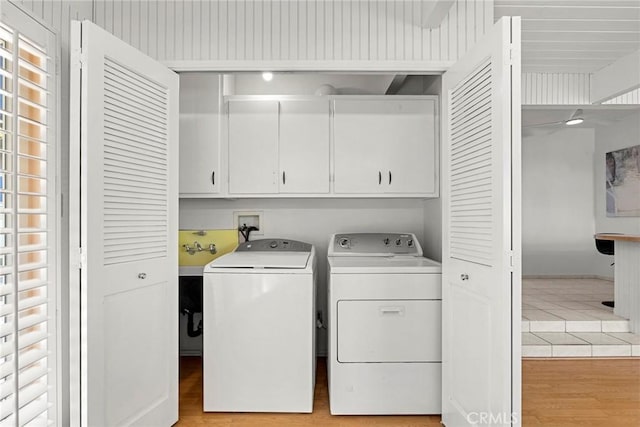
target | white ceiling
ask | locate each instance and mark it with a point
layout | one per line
(574, 36)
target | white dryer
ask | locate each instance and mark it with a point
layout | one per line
(259, 328)
(385, 307)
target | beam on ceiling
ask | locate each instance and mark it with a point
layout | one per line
(616, 79)
(434, 11)
(396, 83)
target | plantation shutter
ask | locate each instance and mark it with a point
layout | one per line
(27, 207)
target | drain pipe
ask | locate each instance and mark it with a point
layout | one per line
(191, 331)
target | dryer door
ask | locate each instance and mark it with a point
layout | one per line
(389, 331)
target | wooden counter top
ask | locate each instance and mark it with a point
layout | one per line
(623, 237)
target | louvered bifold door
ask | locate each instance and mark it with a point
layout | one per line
(481, 232)
(27, 221)
(124, 196)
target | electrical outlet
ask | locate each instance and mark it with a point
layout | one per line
(251, 219)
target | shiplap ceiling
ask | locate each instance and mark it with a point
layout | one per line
(576, 36)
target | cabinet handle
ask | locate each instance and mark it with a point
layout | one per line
(213, 178)
(379, 177)
(284, 177)
(389, 177)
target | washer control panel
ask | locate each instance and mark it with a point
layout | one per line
(372, 244)
(274, 245)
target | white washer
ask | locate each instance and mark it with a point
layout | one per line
(385, 306)
(259, 328)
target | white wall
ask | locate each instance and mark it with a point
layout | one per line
(622, 134)
(557, 205)
(284, 30)
(432, 240)
(556, 88)
(310, 220)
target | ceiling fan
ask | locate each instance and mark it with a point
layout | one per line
(575, 119)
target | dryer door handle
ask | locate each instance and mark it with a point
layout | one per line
(391, 310)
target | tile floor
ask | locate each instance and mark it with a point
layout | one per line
(566, 318)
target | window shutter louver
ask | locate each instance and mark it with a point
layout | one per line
(26, 278)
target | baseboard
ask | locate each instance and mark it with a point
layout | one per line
(568, 276)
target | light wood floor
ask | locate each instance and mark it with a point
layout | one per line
(562, 393)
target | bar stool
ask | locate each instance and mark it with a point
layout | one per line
(606, 247)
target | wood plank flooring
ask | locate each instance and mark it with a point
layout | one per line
(581, 392)
(562, 393)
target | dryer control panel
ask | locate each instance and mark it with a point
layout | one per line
(274, 245)
(375, 244)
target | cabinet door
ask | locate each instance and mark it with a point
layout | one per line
(253, 147)
(304, 146)
(200, 103)
(361, 132)
(411, 155)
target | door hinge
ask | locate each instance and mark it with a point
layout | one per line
(82, 259)
(77, 58)
(514, 54)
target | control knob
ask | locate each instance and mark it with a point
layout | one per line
(344, 243)
(273, 245)
(398, 242)
(410, 242)
(386, 241)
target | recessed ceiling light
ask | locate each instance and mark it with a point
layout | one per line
(267, 76)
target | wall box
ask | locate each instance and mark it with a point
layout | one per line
(622, 175)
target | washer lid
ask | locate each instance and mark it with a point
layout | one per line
(262, 260)
(382, 265)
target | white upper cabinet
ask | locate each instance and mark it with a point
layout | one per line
(253, 146)
(278, 146)
(359, 154)
(289, 146)
(386, 145)
(412, 157)
(304, 146)
(200, 106)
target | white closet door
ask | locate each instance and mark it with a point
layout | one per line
(124, 183)
(304, 146)
(481, 229)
